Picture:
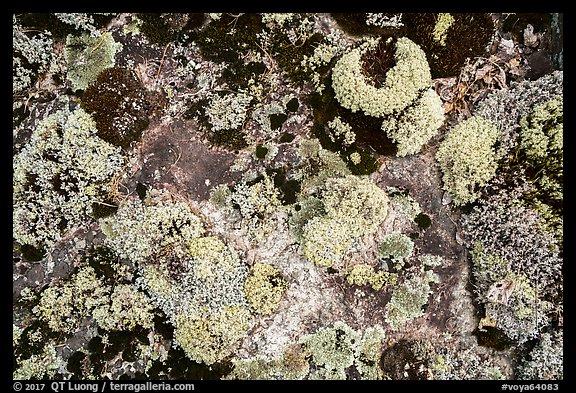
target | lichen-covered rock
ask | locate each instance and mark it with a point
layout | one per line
(58, 175)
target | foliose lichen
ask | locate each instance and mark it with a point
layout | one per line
(86, 56)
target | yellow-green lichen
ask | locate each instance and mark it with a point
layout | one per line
(402, 85)
(365, 274)
(64, 306)
(208, 337)
(443, 23)
(264, 288)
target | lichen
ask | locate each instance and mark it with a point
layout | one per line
(402, 85)
(396, 246)
(467, 158)
(209, 337)
(87, 56)
(334, 349)
(264, 288)
(353, 207)
(409, 297)
(365, 274)
(58, 175)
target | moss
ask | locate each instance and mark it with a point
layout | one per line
(289, 52)
(87, 56)
(292, 105)
(229, 38)
(286, 138)
(492, 337)
(448, 39)
(261, 151)
(162, 29)
(277, 119)
(31, 253)
(117, 102)
(423, 221)
(289, 188)
(264, 288)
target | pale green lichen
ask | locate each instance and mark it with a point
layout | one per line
(325, 241)
(334, 349)
(128, 308)
(30, 52)
(443, 23)
(545, 360)
(467, 158)
(64, 306)
(292, 365)
(87, 56)
(409, 298)
(228, 112)
(542, 141)
(353, 207)
(63, 169)
(208, 337)
(264, 288)
(412, 112)
(403, 83)
(396, 246)
(137, 231)
(416, 125)
(258, 202)
(341, 131)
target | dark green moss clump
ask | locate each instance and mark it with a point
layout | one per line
(31, 253)
(287, 137)
(492, 337)
(162, 29)
(100, 259)
(292, 105)
(289, 56)
(289, 188)
(467, 37)
(118, 103)
(277, 119)
(261, 151)
(423, 221)
(103, 209)
(355, 24)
